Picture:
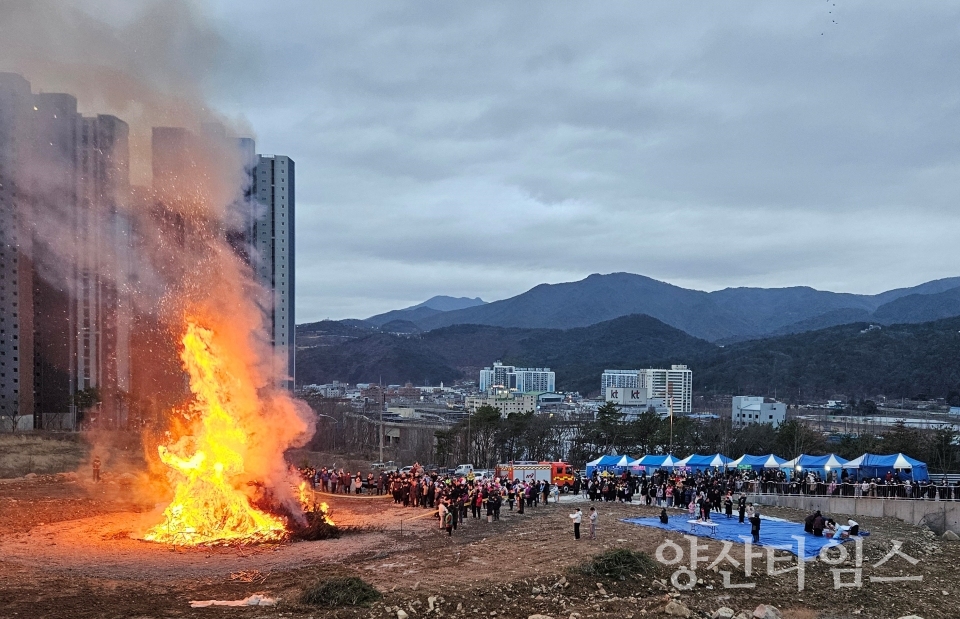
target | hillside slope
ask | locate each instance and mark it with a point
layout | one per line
(454, 352)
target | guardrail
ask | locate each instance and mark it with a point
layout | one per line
(903, 490)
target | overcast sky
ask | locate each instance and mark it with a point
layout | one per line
(481, 148)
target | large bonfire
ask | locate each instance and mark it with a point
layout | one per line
(208, 505)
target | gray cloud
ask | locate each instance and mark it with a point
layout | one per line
(481, 149)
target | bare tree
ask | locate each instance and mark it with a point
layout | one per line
(13, 419)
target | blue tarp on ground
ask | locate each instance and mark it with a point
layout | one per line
(773, 532)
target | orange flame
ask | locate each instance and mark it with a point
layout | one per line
(208, 506)
(309, 504)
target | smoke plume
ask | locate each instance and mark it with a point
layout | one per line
(146, 63)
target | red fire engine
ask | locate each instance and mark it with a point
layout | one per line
(557, 473)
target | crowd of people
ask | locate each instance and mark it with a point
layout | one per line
(700, 493)
(455, 498)
(675, 487)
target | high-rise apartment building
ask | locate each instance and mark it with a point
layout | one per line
(523, 380)
(266, 208)
(273, 254)
(675, 386)
(63, 244)
(16, 279)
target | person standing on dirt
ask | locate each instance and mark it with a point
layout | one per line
(442, 513)
(448, 523)
(96, 468)
(576, 517)
(593, 523)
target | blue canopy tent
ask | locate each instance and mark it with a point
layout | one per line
(873, 465)
(757, 463)
(625, 463)
(696, 462)
(651, 462)
(602, 463)
(821, 464)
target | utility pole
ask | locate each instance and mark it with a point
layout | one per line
(671, 425)
(670, 409)
(382, 400)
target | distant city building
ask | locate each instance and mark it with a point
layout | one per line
(635, 401)
(508, 402)
(747, 410)
(523, 380)
(675, 384)
(621, 379)
(335, 389)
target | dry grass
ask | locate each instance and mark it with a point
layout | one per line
(21, 454)
(348, 591)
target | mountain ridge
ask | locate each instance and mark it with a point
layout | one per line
(432, 306)
(730, 314)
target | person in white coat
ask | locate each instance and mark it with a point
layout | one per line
(593, 523)
(576, 517)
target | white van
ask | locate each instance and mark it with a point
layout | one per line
(463, 470)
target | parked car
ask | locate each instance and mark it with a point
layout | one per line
(464, 470)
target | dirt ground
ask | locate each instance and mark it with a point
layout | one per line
(68, 548)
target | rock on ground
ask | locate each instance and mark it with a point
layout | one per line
(676, 609)
(765, 611)
(724, 612)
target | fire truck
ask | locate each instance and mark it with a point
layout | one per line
(557, 473)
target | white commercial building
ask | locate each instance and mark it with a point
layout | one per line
(635, 401)
(747, 410)
(507, 402)
(524, 380)
(675, 384)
